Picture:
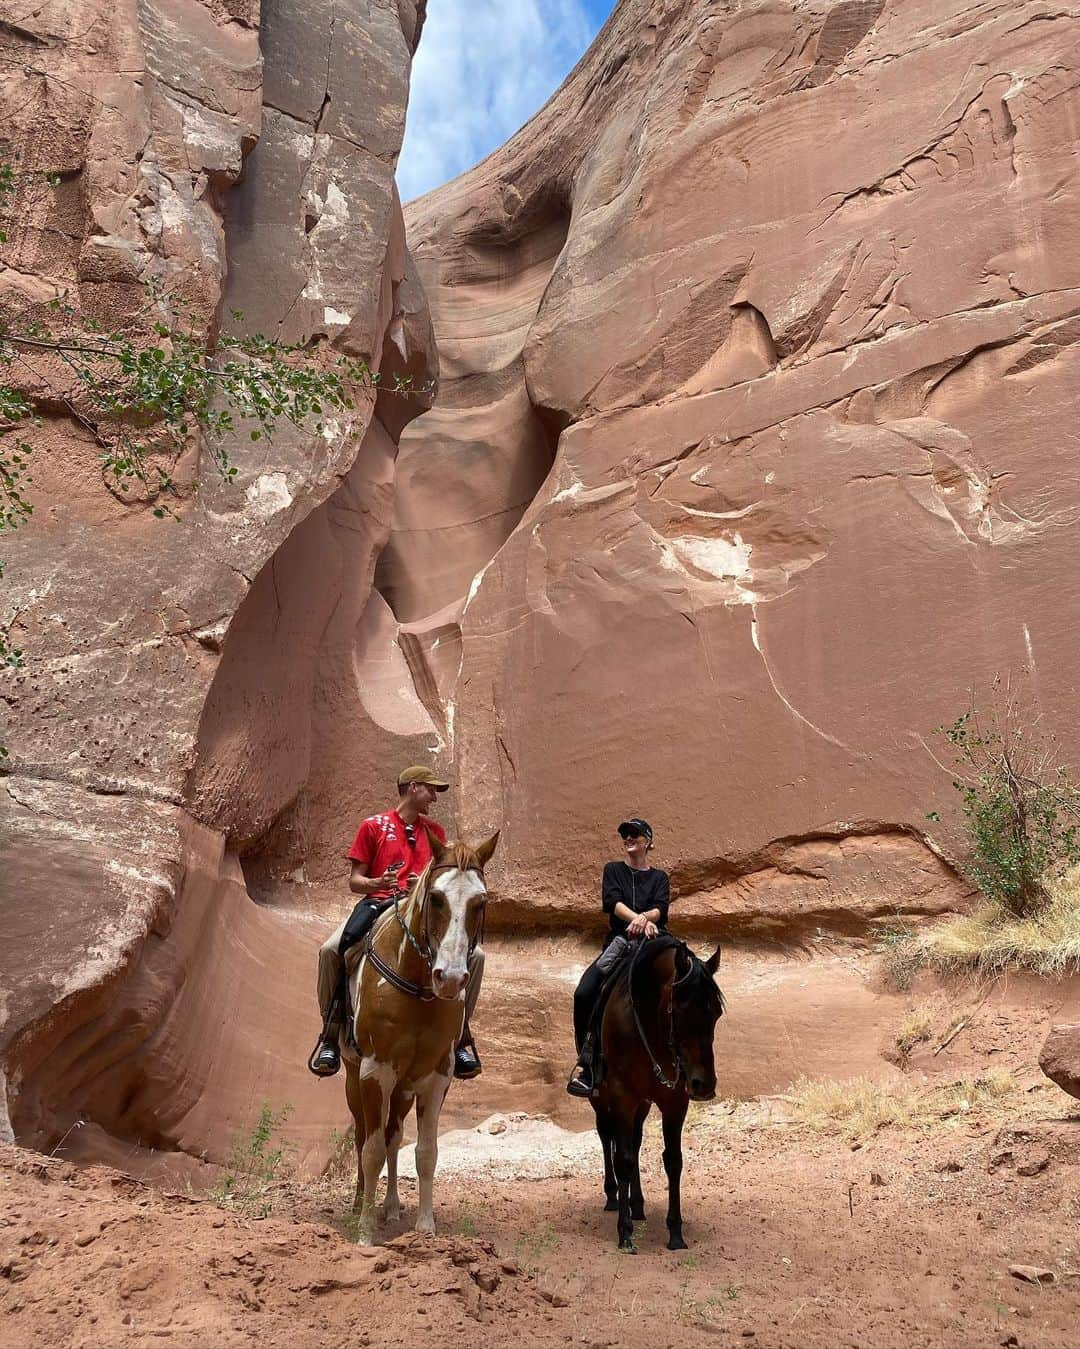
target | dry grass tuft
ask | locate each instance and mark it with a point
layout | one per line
(990, 941)
(917, 1028)
(859, 1107)
(854, 1105)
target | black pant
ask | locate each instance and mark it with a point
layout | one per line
(585, 995)
(616, 950)
(360, 920)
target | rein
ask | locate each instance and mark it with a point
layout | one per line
(658, 1072)
(393, 976)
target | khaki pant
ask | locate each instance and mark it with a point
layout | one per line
(330, 966)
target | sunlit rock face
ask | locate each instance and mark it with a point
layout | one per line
(779, 300)
(751, 456)
(185, 679)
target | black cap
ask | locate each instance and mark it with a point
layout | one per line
(635, 826)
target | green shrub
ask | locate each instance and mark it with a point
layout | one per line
(1021, 810)
(255, 1166)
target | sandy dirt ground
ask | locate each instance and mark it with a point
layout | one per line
(797, 1238)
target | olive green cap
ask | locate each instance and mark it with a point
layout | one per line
(418, 773)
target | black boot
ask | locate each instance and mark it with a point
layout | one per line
(581, 1080)
(466, 1059)
(326, 1059)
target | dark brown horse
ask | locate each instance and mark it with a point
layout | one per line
(657, 1042)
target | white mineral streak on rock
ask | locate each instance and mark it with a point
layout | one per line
(336, 207)
(269, 494)
(755, 638)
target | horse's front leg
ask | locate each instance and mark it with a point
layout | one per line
(376, 1088)
(622, 1146)
(356, 1109)
(429, 1102)
(604, 1131)
(400, 1105)
(637, 1199)
(673, 1125)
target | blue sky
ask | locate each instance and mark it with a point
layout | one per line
(483, 68)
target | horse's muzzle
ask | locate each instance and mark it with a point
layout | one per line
(449, 986)
(700, 1090)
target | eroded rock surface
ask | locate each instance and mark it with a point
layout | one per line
(758, 354)
(795, 286)
(245, 162)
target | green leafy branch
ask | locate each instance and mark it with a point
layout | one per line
(1021, 809)
(147, 393)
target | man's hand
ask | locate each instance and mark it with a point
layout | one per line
(360, 884)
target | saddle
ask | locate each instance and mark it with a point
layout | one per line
(351, 956)
(622, 970)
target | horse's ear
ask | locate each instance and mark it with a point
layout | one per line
(438, 847)
(485, 849)
(713, 962)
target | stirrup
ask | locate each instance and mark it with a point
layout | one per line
(466, 1059)
(325, 1059)
(581, 1081)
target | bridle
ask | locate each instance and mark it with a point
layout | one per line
(423, 950)
(672, 1045)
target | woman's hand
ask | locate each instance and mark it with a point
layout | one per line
(640, 926)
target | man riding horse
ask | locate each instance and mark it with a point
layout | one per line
(635, 896)
(388, 854)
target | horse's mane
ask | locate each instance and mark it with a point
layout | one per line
(697, 980)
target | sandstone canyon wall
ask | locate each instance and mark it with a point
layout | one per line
(751, 454)
(163, 723)
(790, 290)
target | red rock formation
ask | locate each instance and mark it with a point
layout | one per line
(1060, 1058)
(798, 284)
(758, 352)
(143, 758)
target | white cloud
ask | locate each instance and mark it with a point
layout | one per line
(483, 68)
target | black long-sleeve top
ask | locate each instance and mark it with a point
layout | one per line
(638, 890)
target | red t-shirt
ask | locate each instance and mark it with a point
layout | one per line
(382, 839)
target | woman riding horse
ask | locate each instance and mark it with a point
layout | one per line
(657, 1043)
(635, 898)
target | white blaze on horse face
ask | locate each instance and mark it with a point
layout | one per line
(450, 966)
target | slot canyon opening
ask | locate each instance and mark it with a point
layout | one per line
(470, 467)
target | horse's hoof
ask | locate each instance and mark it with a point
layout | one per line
(612, 1206)
(392, 1215)
(637, 1215)
(426, 1225)
(676, 1244)
(627, 1248)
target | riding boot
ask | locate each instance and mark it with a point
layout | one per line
(466, 1059)
(581, 1078)
(325, 1058)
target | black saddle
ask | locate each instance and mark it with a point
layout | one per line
(621, 972)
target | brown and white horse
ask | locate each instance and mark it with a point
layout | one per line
(409, 994)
